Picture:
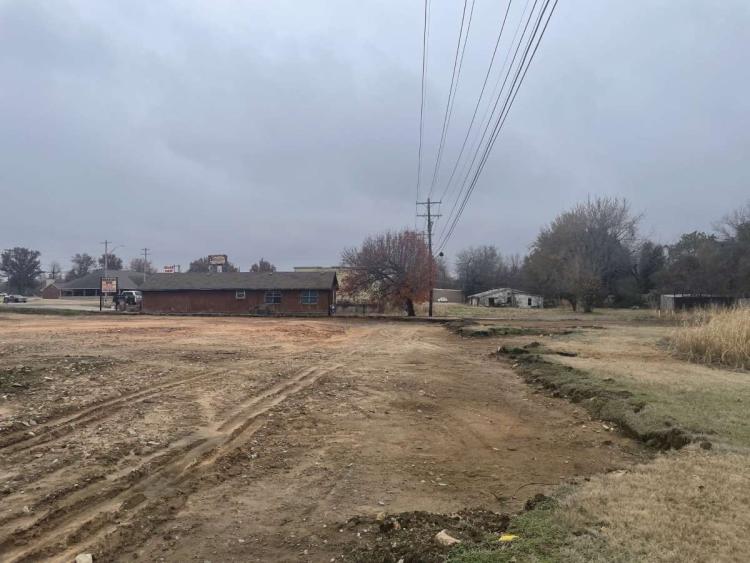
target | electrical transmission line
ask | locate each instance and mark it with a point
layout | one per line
(455, 78)
(535, 39)
(477, 149)
(425, 41)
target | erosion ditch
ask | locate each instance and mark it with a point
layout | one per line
(604, 399)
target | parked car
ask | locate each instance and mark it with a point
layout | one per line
(14, 299)
(132, 296)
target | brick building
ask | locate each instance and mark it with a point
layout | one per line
(271, 293)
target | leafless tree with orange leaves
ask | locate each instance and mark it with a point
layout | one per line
(393, 267)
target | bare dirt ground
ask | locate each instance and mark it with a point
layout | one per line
(182, 439)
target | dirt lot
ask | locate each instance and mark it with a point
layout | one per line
(182, 439)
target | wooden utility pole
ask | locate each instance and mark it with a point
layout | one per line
(106, 257)
(430, 219)
(145, 262)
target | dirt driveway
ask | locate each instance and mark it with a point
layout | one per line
(182, 439)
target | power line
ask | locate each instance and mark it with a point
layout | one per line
(481, 95)
(512, 93)
(503, 114)
(425, 37)
(477, 149)
(451, 91)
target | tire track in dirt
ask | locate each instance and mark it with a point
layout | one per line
(44, 433)
(106, 506)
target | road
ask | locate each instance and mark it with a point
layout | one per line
(256, 439)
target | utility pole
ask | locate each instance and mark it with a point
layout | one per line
(430, 218)
(106, 254)
(145, 262)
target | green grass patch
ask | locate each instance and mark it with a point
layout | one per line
(542, 536)
(633, 412)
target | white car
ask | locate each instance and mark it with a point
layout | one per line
(442, 300)
(132, 295)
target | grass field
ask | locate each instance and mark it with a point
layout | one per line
(686, 505)
(552, 314)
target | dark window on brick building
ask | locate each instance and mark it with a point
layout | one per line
(273, 297)
(309, 297)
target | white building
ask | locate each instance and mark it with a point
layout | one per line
(506, 297)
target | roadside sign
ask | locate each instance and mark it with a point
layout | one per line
(217, 259)
(108, 285)
(169, 269)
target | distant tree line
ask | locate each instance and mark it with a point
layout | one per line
(593, 255)
(588, 256)
(23, 270)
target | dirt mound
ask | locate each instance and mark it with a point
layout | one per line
(472, 329)
(410, 536)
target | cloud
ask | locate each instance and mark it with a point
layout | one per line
(289, 130)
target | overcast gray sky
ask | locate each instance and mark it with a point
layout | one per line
(289, 129)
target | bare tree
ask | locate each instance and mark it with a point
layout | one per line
(262, 265)
(82, 265)
(584, 252)
(731, 223)
(55, 271)
(139, 265)
(113, 262)
(480, 268)
(393, 267)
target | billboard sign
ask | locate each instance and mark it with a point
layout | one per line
(108, 285)
(217, 259)
(169, 269)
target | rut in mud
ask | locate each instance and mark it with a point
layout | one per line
(226, 439)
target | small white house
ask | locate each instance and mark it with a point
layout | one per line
(506, 297)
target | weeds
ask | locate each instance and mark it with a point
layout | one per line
(715, 336)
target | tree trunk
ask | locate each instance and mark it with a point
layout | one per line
(410, 308)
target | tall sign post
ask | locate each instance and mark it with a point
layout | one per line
(218, 261)
(106, 285)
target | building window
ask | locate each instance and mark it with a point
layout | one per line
(309, 297)
(273, 297)
(529, 301)
(239, 294)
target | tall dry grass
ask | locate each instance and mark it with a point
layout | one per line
(715, 336)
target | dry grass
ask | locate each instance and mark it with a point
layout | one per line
(685, 506)
(715, 336)
(548, 314)
(690, 506)
(698, 397)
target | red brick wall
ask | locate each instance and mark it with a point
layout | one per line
(51, 292)
(226, 302)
